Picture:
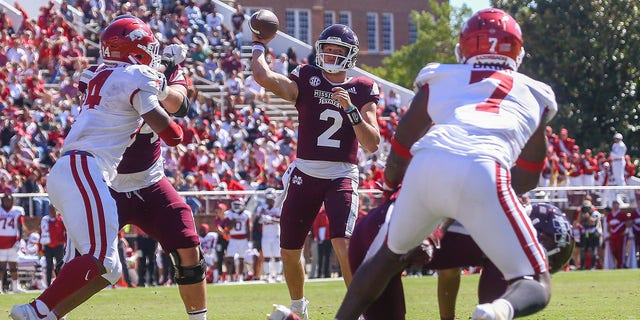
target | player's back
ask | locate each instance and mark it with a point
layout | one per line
(108, 119)
(483, 110)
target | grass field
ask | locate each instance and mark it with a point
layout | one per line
(576, 295)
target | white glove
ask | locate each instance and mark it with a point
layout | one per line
(178, 52)
(163, 88)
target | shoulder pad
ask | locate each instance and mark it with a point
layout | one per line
(425, 75)
(146, 78)
(296, 71)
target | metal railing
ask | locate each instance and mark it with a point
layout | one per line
(568, 198)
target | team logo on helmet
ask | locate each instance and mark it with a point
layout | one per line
(137, 34)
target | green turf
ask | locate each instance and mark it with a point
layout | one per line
(576, 296)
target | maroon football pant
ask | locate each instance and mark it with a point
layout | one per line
(456, 250)
(161, 213)
(305, 196)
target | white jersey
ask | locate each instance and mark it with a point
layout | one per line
(208, 242)
(270, 220)
(110, 115)
(10, 222)
(240, 227)
(493, 115)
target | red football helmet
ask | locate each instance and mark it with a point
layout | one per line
(128, 39)
(491, 36)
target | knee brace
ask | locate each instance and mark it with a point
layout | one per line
(189, 274)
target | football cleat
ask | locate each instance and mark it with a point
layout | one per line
(28, 312)
(301, 308)
(281, 312)
(497, 310)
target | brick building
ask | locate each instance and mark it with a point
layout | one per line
(382, 26)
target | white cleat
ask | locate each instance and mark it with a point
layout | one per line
(25, 312)
(498, 310)
(301, 308)
(280, 312)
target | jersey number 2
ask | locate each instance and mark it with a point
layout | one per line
(505, 85)
(324, 140)
(94, 87)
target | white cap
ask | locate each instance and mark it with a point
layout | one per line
(618, 135)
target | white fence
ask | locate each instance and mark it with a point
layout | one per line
(566, 198)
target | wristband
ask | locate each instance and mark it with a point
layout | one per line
(354, 115)
(172, 134)
(399, 149)
(257, 45)
(535, 167)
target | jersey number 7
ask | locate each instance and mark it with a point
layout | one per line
(505, 84)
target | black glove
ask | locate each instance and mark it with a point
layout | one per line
(169, 66)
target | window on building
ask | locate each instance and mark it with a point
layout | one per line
(372, 32)
(344, 18)
(329, 18)
(413, 30)
(387, 32)
(298, 24)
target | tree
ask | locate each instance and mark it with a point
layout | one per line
(588, 52)
(437, 35)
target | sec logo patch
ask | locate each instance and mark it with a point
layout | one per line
(314, 81)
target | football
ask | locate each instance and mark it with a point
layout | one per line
(264, 24)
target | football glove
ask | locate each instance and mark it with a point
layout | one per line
(172, 56)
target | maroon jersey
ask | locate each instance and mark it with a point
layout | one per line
(324, 131)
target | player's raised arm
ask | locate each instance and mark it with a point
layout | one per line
(176, 102)
(277, 83)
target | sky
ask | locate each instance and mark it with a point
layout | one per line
(475, 5)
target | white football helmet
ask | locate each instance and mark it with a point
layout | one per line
(237, 206)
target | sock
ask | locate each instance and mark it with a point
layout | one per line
(266, 267)
(296, 305)
(279, 267)
(72, 277)
(198, 315)
(505, 308)
(15, 285)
